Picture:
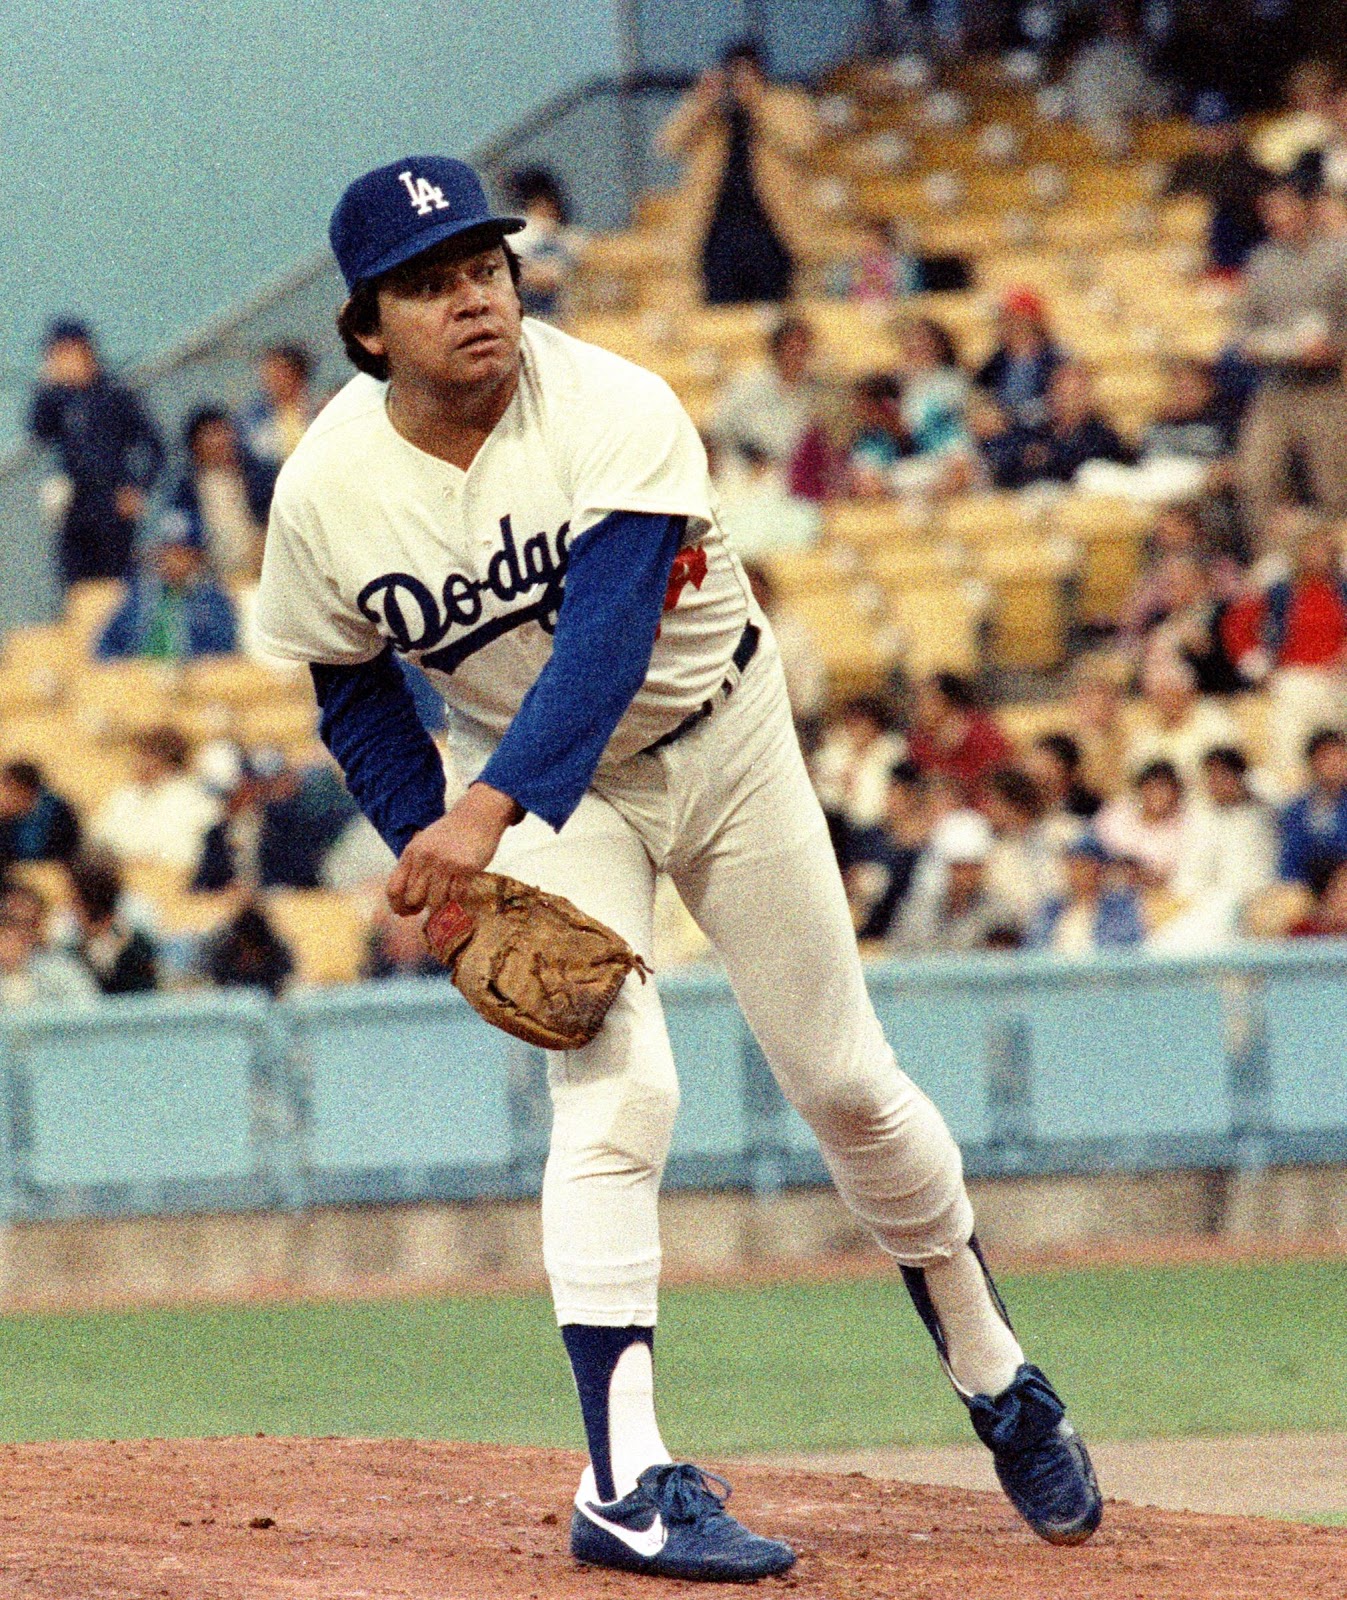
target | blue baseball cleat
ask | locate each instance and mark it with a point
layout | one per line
(1040, 1458)
(674, 1524)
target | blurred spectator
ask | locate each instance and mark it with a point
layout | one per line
(1224, 173)
(30, 973)
(1323, 168)
(957, 911)
(1023, 868)
(275, 420)
(851, 768)
(1018, 372)
(36, 824)
(1293, 638)
(247, 953)
(120, 957)
(880, 271)
(765, 511)
(1002, 444)
(1178, 530)
(743, 142)
(396, 948)
(1229, 856)
(768, 408)
(549, 249)
(880, 439)
(806, 675)
(1148, 824)
(935, 394)
(1099, 910)
(174, 609)
(1177, 725)
(278, 826)
(1294, 321)
(1313, 828)
(884, 859)
(1192, 424)
(1074, 432)
(1108, 85)
(1098, 708)
(1056, 765)
(108, 450)
(952, 735)
(1328, 918)
(1306, 123)
(213, 495)
(1188, 626)
(165, 812)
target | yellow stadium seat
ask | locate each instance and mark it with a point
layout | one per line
(875, 524)
(978, 519)
(88, 607)
(1109, 533)
(156, 880)
(125, 696)
(1028, 612)
(938, 628)
(44, 648)
(284, 723)
(324, 931)
(235, 681)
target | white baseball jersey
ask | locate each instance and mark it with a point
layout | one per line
(372, 539)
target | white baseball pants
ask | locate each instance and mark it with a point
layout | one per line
(728, 811)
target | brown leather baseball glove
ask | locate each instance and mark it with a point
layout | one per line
(531, 962)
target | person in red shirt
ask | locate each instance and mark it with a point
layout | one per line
(952, 736)
(1293, 637)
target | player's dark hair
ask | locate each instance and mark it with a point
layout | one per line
(360, 315)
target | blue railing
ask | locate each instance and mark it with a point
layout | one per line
(399, 1092)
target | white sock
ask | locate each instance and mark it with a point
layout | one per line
(634, 1441)
(983, 1353)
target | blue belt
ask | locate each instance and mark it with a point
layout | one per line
(744, 652)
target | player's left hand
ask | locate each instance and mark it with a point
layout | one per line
(440, 859)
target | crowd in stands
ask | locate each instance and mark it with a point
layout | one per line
(1178, 781)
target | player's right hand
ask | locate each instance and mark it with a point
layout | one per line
(442, 858)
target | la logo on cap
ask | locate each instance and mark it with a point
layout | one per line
(424, 195)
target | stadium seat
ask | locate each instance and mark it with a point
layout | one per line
(1109, 532)
(324, 931)
(867, 525)
(1028, 609)
(88, 607)
(115, 697)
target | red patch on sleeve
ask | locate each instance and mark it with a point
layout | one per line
(689, 567)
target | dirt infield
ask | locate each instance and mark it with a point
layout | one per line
(338, 1519)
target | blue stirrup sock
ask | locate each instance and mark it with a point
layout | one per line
(966, 1317)
(615, 1378)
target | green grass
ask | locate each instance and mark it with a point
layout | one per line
(1138, 1353)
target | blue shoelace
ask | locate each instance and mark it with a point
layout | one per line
(685, 1493)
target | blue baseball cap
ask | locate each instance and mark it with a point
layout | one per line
(401, 210)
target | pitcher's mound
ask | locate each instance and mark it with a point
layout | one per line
(360, 1519)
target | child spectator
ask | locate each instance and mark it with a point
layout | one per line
(164, 813)
(1098, 911)
(1293, 637)
(880, 441)
(1098, 710)
(1313, 828)
(174, 609)
(951, 734)
(1189, 627)
(880, 271)
(1056, 765)
(36, 824)
(1023, 868)
(30, 973)
(213, 495)
(549, 249)
(276, 419)
(247, 953)
(1019, 371)
(1148, 824)
(120, 957)
(107, 448)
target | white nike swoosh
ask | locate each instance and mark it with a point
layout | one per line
(646, 1543)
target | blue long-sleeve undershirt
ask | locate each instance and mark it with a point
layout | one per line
(616, 580)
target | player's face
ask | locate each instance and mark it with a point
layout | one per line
(450, 320)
